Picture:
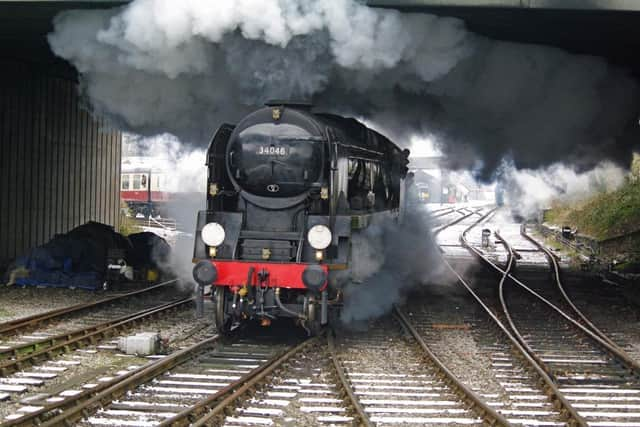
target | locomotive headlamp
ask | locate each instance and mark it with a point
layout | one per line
(213, 234)
(319, 237)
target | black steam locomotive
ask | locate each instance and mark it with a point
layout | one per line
(287, 190)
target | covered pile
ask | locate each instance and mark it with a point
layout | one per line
(80, 257)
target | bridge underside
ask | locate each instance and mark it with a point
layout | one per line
(25, 24)
(609, 28)
(612, 32)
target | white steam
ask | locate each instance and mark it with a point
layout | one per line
(529, 191)
(182, 167)
(184, 175)
(388, 260)
(159, 66)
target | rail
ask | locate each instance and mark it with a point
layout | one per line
(346, 385)
(208, 409)
(549, 386)
(553, 262)
(486, 412)
(614, 350)
(50, 346)
(13, 327)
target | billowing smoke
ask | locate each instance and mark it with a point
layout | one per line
(157, 66)
(528, 191)
(388, 260)
(183, 167)
(184, 176)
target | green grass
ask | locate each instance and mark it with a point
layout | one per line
(604, 215)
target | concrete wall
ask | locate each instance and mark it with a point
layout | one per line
(59, 167)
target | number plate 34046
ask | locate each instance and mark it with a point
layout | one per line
(272, 151)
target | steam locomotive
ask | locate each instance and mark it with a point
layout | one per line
(287, 190)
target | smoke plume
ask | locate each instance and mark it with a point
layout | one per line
(157, 66)
(389, 259)
(184, 177)
(528, 191)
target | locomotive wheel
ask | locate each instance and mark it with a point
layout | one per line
(223, 320)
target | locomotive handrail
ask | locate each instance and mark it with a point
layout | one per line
(355, 147)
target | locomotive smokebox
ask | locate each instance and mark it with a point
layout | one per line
(314, 277)
(205, 273)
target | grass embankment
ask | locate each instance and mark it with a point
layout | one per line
(604, 215)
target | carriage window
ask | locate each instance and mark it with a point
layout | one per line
(136, 182)
(143, 181)
(124, 185)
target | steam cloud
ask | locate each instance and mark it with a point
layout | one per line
(185, 176)
(529, 191)
(388, 260)
(157, 66)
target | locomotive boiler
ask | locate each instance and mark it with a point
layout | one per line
(287, 190)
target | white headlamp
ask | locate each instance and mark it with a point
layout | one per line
(319, 236)
(213, 234)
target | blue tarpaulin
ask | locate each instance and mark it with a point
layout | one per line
(77, 259)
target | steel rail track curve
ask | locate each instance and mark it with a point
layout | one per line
(207, 410)
(549, 386)
(553, 262)
(614, 350)
(80, 404)
(591, 375)
(477, 404)
(14, 359)
(603, 377)
(24, 324)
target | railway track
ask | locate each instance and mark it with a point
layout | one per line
(211, 382)
(27, 324)
(29, 364)
(596, 380)
(395, 374)
(601, 300)
(398, 379)
(72, 404)
(311, 389)
(515, 385)
(24, 353)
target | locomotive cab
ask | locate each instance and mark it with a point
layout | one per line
(283, 186)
